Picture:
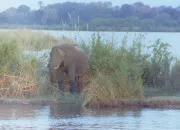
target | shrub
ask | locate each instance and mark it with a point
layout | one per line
(17, 73)
(175, 75)
(116, 72)
(157, 67)
(9, 57)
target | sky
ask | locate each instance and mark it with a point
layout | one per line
(33, 3)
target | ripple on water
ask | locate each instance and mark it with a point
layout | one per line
(75, 117)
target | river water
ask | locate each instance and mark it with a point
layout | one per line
(173, 39)
(71, 116)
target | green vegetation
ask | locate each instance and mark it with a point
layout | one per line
(116, 72)
(21, 72)
(121, 72)
(93, 16)
(29, 40)
(157, 69)
(9, 57)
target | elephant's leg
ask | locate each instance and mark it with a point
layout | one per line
(79, 84)
(71, 74)
(60, 77)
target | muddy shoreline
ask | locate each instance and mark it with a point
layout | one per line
(152, 103)
(156, 102)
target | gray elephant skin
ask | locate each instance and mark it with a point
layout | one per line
(67, 59)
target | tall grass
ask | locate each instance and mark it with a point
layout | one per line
(16, 71)
(175, 75)
(116, 72)
(9, 57)
(121, 72)
(157, 68)
(30, 40)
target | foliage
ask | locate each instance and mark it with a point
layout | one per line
(9, 57)
(13, 61)
(121, 72)
(157, 67)
(17, 72)
(175, 75)
(116, 72)
(98, 16)
(29, 40)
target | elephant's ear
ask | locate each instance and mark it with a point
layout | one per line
(69, 57)
(62, 53)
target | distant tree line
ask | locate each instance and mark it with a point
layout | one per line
(95, 16)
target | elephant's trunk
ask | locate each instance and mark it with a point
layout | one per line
(53, 75)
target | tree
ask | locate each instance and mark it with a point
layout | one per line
(49, 16)
(23, 8)
(127, 10)
(40, 3)
(101, 15)
(147, 24)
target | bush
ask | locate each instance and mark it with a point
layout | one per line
(14, 62)
(17, 72)
(116, 72)
(156, 71)
(9, 57)
(175, 75)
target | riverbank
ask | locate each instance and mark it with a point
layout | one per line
(59, 28)
(171, 102)
(154, 102)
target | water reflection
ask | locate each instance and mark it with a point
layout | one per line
(75, 110)
(66, 110)
(67, 116)
(135, 112)
(17, 111)
(73, 116)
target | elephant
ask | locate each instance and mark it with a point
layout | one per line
(67, 59)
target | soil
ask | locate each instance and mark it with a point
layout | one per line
(154, 102)
(173, 103)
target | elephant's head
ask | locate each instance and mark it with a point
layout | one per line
(61, 56)
(57, 56)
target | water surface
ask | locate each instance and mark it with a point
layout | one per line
(71, 116)
(172, 38)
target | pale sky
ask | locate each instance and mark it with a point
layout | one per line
(33, 3)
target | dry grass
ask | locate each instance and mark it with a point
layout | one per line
(115, 73)
(99, 91)
(16, 86)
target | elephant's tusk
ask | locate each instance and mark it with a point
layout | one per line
(56, 67)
